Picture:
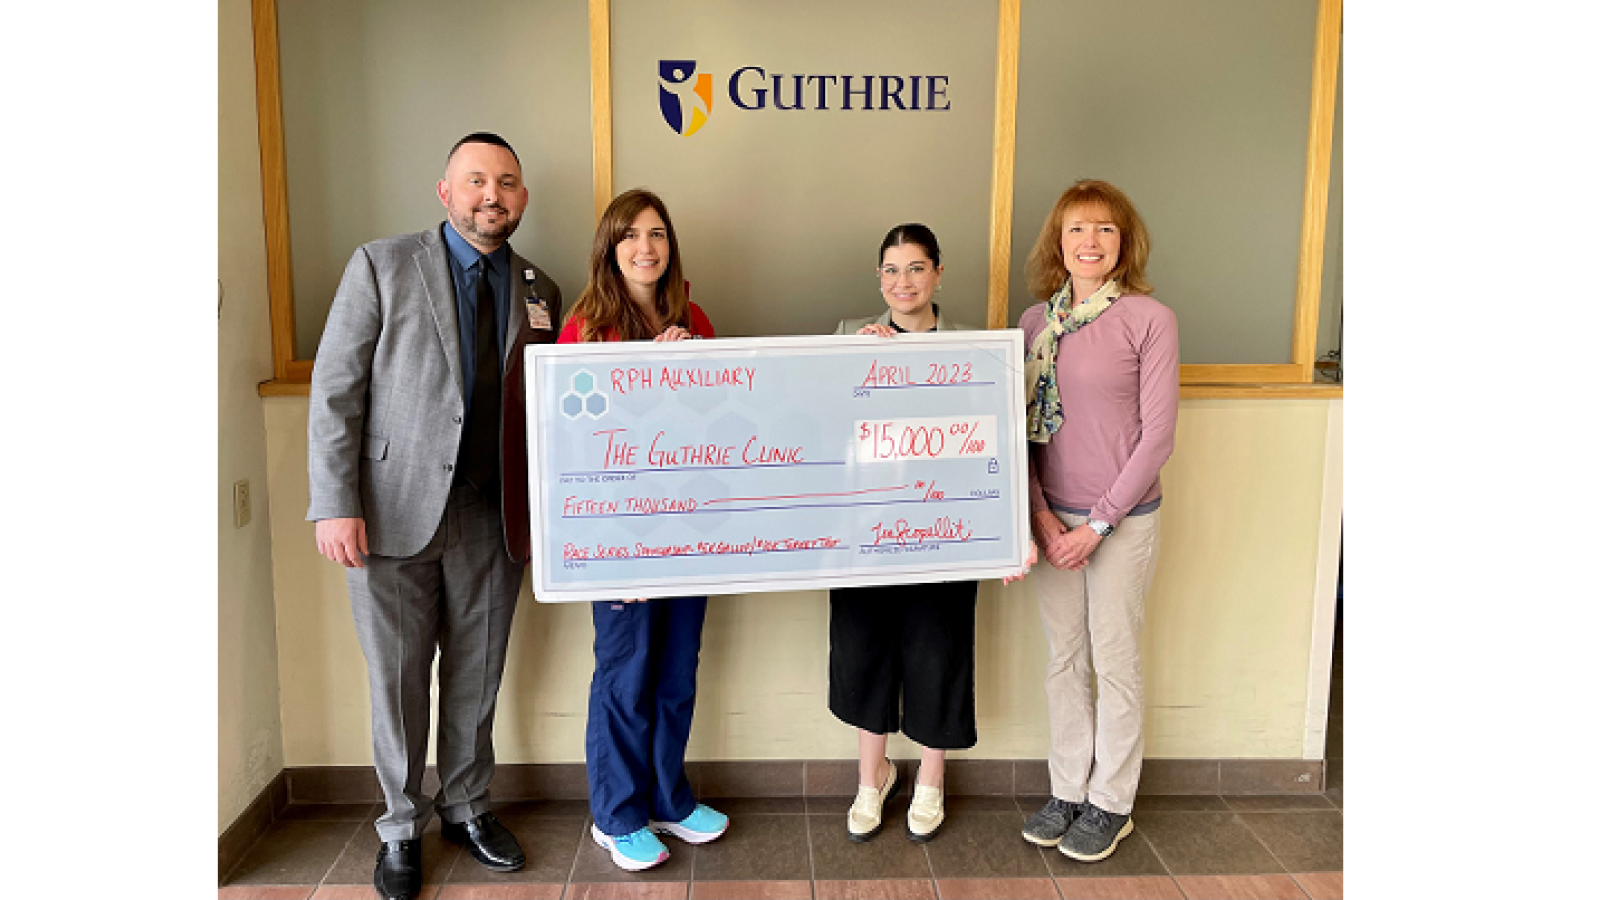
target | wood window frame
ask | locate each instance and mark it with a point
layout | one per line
(292, 377)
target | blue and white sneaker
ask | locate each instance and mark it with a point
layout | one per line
(632, 852)
(701, 826)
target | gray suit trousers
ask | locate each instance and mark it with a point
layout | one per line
(456, 595)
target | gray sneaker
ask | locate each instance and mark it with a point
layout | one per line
(1094, 834)
(1046, 826)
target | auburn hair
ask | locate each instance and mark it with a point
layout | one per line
(608, 311)
(1046, 269)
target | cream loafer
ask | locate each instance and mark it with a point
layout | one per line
(866, 813)
(926, 813)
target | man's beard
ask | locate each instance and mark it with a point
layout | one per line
(468, 226)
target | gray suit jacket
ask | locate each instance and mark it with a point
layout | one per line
(851, 326)
(387, 398)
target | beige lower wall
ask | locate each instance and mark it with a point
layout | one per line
(1228, 640)
(249, 733)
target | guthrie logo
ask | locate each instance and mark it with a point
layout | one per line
(675, 73)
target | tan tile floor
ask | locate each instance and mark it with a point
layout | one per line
(788, 848)
(1181, 847)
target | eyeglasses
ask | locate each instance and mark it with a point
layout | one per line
(916, 272)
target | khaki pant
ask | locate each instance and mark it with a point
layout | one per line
(1092, 618)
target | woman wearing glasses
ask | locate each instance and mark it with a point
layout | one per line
(907, 646)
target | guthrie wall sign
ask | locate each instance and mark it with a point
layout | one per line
(752, 88)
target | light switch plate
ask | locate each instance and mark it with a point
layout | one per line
(241, 503)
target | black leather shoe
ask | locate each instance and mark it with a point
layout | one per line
(399, 872)
(489, 842)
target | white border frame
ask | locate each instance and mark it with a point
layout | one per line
(1007, 341)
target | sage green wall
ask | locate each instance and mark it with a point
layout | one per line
(249, 731)
(1199, 112)
(780, 213)
(375, 92)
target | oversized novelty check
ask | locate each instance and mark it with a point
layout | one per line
(774, 464)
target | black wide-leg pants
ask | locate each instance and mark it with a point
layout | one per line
(900, 659)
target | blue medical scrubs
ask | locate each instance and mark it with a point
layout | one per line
(641, 704)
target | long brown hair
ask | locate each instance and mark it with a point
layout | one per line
(607, 309)
(1047, 271)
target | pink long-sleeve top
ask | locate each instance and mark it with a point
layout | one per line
(1118, 378)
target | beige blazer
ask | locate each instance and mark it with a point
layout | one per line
(851, 326)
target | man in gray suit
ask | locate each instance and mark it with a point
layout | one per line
(419, 488)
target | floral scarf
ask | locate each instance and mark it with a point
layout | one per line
(1039, 368)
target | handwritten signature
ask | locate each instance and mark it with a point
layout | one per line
(902, 532)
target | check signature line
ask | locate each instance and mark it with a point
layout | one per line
(891, 542)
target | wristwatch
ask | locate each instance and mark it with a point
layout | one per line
(1103, 529)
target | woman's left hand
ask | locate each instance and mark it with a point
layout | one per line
(674, 333)
(1076, 547)
(1033, 557)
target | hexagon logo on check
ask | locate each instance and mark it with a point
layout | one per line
(584, 399)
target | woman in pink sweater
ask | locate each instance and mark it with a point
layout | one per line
(1101, 380)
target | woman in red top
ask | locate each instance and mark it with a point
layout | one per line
(636, 290)
(646, 653)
